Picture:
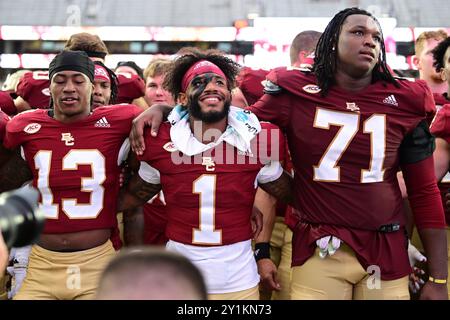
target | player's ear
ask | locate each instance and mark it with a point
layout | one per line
(182, 98)
(416, 61)
(443, 75)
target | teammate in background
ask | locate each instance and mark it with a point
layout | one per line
(441, 129)
(209, 193)
(151, 274)
(423, 60)
(155, 218)
(301, 56)
(350, 127)
(78, 178)
(105, 86)
(33, 91)
(131, 84)
(9, 91)
(130, 67)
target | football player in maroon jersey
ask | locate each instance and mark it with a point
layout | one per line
(301, 56)
(72, 156)
(441, 129)
(207, 160)
(350, 126)
(155, 218)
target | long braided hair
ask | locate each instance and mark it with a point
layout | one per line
(326, 57)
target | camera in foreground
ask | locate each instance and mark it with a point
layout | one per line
(21, 220)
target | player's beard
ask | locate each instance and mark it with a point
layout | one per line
(195, 109)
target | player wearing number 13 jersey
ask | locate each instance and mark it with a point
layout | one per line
(74, 157)
(350, 127)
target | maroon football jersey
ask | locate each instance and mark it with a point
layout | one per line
(33, 87)
(209, 196)
(441, 129)
(155, 221)
(3, 121)
(249, 81)
(131, 87)
(345, 152)
(440, 99)
(74, 166)
(7, 103)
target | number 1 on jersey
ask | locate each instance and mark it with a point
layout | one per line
(205, 187)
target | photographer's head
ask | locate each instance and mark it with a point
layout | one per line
(151, 274)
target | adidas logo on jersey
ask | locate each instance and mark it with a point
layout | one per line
(102, 123)
(391, 100)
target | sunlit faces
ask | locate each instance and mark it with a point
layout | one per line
(155, 93)
(424, 61)
(71, 93)
(208, 98)
(359, 45)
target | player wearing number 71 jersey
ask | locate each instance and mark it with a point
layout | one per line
(209, 160)
(350, 127)
(74, 157)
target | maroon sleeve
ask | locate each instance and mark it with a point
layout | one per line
(7, 103)
(273, 108)
(440, 126)
(3, 121)
(250, 83)
(34, 89)
(423, 193)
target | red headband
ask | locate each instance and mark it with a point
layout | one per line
(101, 73)
(201, 67)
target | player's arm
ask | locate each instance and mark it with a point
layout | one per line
(267, 270)
(280, 188)
(152, 117)
(441, 158)
(14, 173)
(133, 219)
(143, 186)
(418, 171)
(21, 104)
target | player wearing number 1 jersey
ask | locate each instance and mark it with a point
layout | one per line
(350, 126)
(74, 156)
(209, 160)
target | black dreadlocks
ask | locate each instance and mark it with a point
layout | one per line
(439, 53)
(114, 82)
(174, 76)
(325, 60)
